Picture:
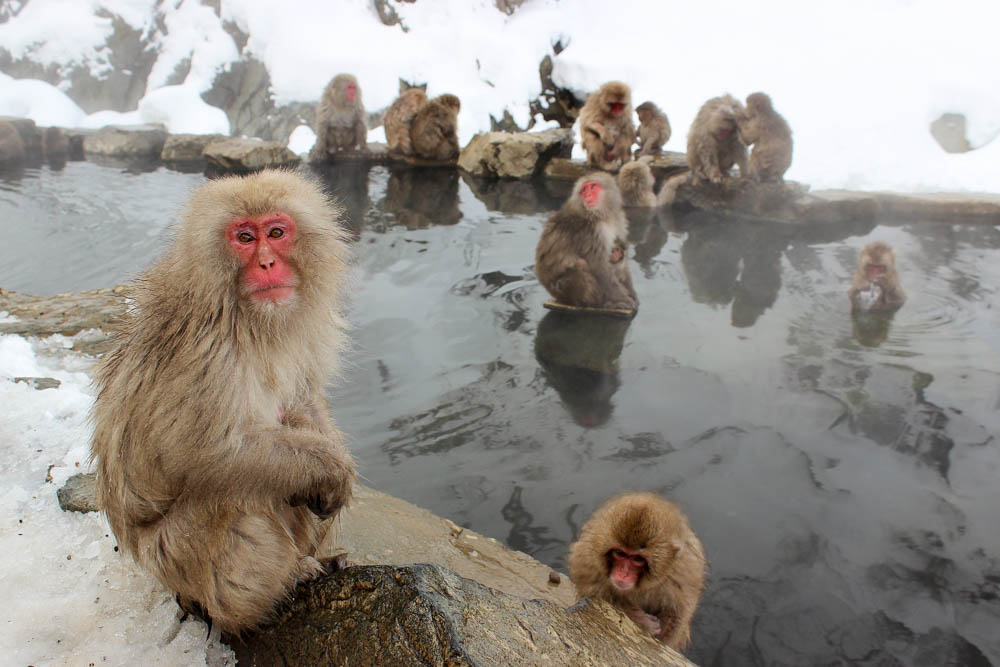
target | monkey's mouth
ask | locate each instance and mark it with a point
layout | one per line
(617, 107)
(724, 133)
(273, 293)
(875, 270)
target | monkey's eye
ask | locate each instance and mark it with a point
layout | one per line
(276, 233)
(244, 237)
(638, 561)
(619, 554)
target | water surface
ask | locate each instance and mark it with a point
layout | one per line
(842, 477)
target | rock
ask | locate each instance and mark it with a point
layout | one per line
(518, 155)
(427, 615)
(76, 138)
(663, 166)
(950, 133)
(834, 205)
(79, 493)
(39, 383)
(126, 141)
(187, 147)
(554, 102)
(55, 143)
(240, 155)
(66, 314)
(943, 207)
(11, 146)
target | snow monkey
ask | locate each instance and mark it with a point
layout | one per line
(713, 145)
(340, 119)
(638, 552)
(606, 129)
(434, 129)
(217, 459)
(654, 130)
(876, 285)
(398, 119)
(580, 257)
(770, 136)
(636, 180)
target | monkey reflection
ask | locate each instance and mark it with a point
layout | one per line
(348, 182)
(579, 357)
(871, 329)
(420, 197)
(648, 232)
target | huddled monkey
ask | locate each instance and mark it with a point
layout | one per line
(581, 254)
(771, 137)
(639, 553)
(398, 119)
(217, 459)
(416, 126)
(714, 145)
(876, 285)
(653, 132)
(606, 128)
(636, 181)
(340, 119)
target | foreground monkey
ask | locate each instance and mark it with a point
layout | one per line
(714, 144)
(638, 552)
(606, 129)
(340, 119)
(636, 181)
(216, 455)
(580, 258)
(654, 130)
(876, 285)
(770, 136)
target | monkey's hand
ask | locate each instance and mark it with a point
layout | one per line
(647, 622)
(328, 502)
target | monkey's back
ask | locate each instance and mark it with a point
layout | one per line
(399, 117)
(433, 132)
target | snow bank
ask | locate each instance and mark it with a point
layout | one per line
(859, 82)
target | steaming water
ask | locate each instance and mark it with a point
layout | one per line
(844, 478)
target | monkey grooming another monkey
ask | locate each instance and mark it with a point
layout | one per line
(876, 285)
(216, 456)
(771, 137)
(638, 552)
(606, 128)
(580, 258)
(714, 145)
(340, 119)
(398, 119)
(654, 130)
(636, 181)
(434, 129)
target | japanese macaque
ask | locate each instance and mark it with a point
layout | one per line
(714, 144)
(876, 285)
(580, 257)
(434, 129)
(398, 119)
(638, 552)
(636, 181)
(606, 129)
(340, 119)
(654, 130)
(217, 459)
(771, 137)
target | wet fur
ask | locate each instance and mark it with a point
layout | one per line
(573, 257)
(714, 145)
(635, 180)
(892, 294)
(202, 481)
(645, 524)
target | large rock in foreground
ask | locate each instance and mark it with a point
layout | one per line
(426, 615)
(514, 154)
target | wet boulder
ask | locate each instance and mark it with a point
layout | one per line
(514, 154)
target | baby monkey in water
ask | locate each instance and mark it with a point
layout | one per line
(639, 553)
(876, 285)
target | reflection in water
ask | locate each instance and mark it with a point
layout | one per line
(347, 180)
(871, 328)
(579, 354)
(423, 197)
(846, 494)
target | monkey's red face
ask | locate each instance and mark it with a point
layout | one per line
(590, 192)
(873, 270)
(351, 91)
(626, 568)
(263, 244)
(617, 107)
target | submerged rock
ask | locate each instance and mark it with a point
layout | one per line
(516, 155)
(427, 615)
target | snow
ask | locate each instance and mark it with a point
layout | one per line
(72, 598)
(859, 82)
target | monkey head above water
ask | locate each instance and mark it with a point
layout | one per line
(639, 553)
(876, 285)
(217, 459)
(580, 258)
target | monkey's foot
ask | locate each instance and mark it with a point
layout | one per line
(191, 607)
(336, 563)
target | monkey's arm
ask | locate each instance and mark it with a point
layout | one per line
(361, 133)
(319, 149)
